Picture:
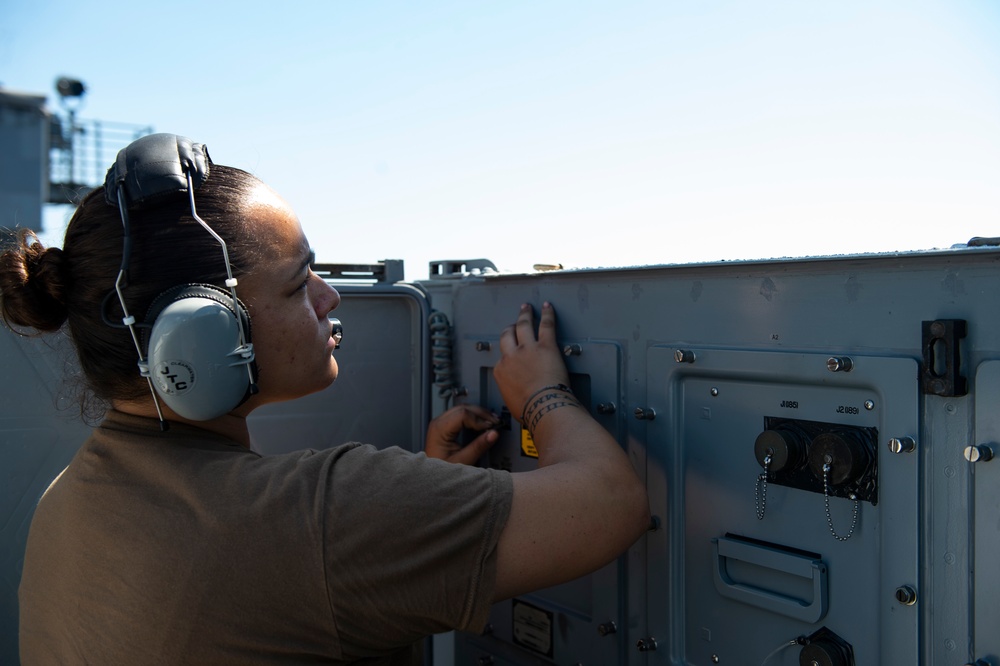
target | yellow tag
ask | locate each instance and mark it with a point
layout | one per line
(528, 444)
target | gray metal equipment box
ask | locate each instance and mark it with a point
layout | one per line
(816, 436)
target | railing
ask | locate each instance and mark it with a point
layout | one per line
(81, 152)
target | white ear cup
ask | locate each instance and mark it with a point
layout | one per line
(194, 358)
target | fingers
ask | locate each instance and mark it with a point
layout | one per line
(443, 433)
(525, 325)
(476, 449)
(458, 417)
(519, 332)
(523, 330)
(547, 325)
(475, 417)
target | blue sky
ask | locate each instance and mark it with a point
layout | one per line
(582, 133)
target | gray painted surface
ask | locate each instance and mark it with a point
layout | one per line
(761, 333)
(713, 582)
(40, 430)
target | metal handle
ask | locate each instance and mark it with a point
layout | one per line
(793, 564)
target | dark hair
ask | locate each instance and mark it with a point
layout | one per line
(43, 288)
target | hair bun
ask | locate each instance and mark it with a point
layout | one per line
(34, 281)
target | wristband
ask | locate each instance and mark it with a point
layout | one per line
(552, 387)
(536, 416)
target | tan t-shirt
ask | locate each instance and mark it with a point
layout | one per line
(185, 547)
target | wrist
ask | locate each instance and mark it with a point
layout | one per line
(540, 394)
(545, 401)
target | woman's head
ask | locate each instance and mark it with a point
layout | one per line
(45, 288)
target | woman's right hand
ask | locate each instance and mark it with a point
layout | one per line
(529, 362)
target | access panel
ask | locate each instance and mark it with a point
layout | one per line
(791, 487)
(582, 621)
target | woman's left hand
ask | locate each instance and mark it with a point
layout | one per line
(442, 434)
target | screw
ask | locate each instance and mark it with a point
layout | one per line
(572, 350)
(839, 364)
(906, 595)
(715, 658)
(902, 444)
(869, 405)
(606, 408)
(644, 414)
(979, 453)
(646, 644)
(684, 356)
(607, 628)
(713, 391)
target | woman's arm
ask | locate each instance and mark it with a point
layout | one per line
(584, 505)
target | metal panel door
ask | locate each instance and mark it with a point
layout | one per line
(382, 392)
(756, 563)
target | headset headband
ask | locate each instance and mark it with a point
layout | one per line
(153, 167)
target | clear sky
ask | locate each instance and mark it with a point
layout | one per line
(585, 133)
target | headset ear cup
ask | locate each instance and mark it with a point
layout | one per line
(192, 351)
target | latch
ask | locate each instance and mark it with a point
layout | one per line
(940, 373)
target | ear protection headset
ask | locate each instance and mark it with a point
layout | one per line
(195, 350)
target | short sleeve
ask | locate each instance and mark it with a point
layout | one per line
(410, 546)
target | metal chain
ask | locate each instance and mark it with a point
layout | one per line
(760, 489)
(826, 501)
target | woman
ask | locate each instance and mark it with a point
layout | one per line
(167, 540)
